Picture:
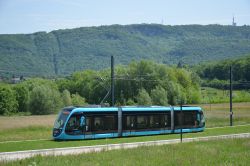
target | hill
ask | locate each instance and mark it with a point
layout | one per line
(62, 52)
(217, 75)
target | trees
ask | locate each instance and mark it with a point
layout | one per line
(90, 47)
(44, 100)
(175, 93)
(129, 80)
(22, 97)
(143, 98)
(8, 102)
(66, 98)
(159, 96)
(77, 100)
(133, 83)
(217, 74)
(220, 70)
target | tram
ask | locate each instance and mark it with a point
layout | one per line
(75, 123)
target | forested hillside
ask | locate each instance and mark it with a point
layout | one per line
(217, 74)
(62, 52)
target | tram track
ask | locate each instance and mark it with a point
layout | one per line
(8, 156)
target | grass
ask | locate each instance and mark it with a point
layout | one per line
(45, 144)
(40, 127)
(11, 122)
(14, 128)
(218, 114)
(212, 95)
(218, 152)
(27, 133)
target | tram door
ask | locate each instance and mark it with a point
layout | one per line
(87, 128)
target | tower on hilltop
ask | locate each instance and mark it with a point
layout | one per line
(233, 23)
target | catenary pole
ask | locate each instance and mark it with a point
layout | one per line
(112, 82)
(181, 120)
(231, 100)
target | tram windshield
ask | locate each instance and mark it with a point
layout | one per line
(201, 119)
(60, 121)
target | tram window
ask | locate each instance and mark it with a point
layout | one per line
(165, 121)
(142, 122)
(130, 122)
(98, 123)
(109, 123)
(73, 125)
(189, 119)
(154, 121)
(88, 124)
(102, 123)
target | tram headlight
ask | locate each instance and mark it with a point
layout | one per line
(57, 132)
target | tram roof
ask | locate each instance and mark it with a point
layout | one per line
(134, 108)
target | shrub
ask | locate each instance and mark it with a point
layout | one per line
(159, 96)
(77, 100)
(130, 102)
(66, 98)
(22, 97)
(8, 102)
(44, 100)
(143, 98)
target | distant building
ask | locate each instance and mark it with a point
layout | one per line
(15, 80)
(234, 23)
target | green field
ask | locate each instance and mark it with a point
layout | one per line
(40, 127)
(218, 152)
(46, 144)
(218, 114)
(212, 95)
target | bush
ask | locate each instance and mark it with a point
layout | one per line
(44, 100)
(8, 102)
(130, 102)
(77, 100)
(22, 96)
(159, 96)
(194, 96)
(66, 98)
(143, 98)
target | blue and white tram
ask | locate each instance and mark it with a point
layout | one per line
(108, 122)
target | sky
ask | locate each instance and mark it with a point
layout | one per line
(29, 16)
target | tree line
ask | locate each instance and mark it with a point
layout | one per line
(139, 83)
(35, 96)
(217, 74)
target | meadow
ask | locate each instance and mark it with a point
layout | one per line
(213, 95)
(34, 132)
(16, 128)
(19, 133)
(216, 152)
(218, 114)
(7, 146)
